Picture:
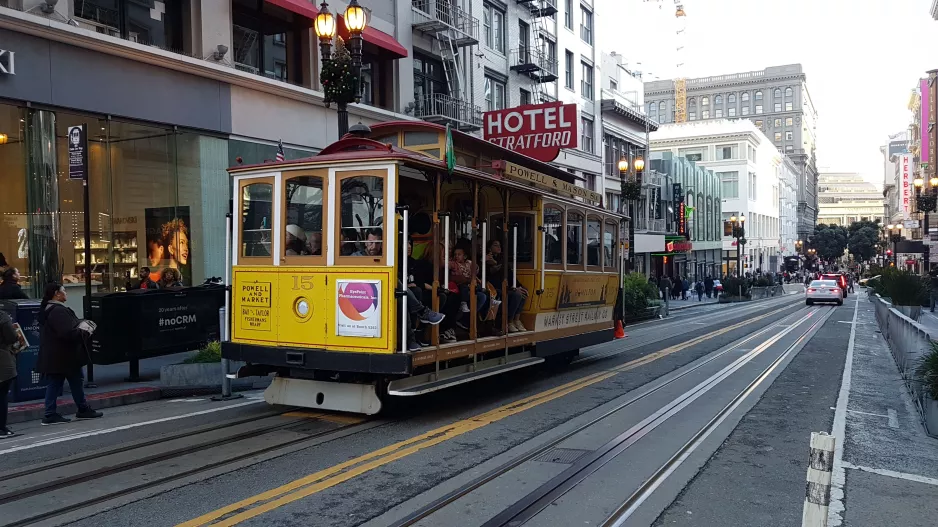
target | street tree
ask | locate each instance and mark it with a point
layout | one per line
(830, 242)
(863, 239)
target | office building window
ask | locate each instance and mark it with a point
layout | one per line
(705, 101)
(586, 85)
(718, 99)
(758, 96)
(568, 14)
(613, 85)
(778, 136)
(744, 97)
(586, 25)
(662, 111)
(731, 98)
(752, 186)
(778, 107)
(758, 108)
(778, 123)
(731, 112)
(725, 152)
(745, 110)
(718, 113)
(525, 97)
(789, 148)
(493, 21)
(692, 116)
(777, 93)
(586, 134)
(729, 182)
(494, 94)
(789, 106)
(788, 135)
(789, 121)
(568, 69)
(705, 114)
(653, 110)
(788, 92)
(760, 124)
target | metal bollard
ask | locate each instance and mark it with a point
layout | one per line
(225, 381)
(817, 494)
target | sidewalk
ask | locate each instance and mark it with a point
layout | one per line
(112, 389)
(886, 469)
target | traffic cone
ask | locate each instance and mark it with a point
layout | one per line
(620, 332)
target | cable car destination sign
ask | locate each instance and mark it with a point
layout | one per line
(543, 181)
(535, 130)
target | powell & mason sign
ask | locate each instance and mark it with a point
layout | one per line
(538, 131)
(543, 181)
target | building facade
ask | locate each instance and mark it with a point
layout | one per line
(844, 198)
(745, 162)
(625, 136)
(787, 207)
(775, 99)
(174, 93)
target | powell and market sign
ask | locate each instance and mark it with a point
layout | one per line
(7, 62)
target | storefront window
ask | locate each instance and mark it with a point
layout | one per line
(14, 239)
(574, 238)
(256, 211)
(362, 216)
(553, 223)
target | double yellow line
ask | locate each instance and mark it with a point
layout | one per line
(317, 482)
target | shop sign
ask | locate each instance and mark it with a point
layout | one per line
(543, 181)
(78, 152)
(579, 290)
(358, 312)
(905, 185)
(682, 220)
(255, 305)
(677, 193)
(535, 130)
(7, 62)
(910, 224)
(678, 247)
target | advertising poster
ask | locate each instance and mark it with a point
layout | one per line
(168, 242)
(177, 320)
(77, 152)
(359, 308)
(579, 290)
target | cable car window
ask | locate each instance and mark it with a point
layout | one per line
(362, 216)
(421, 138)
(303, 225)
(609, 246)
(593, 241)
(553, 223)
(256, 218)
(574, 238)
(525, 235)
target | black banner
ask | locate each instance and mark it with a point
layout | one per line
(180, 320)
(78, 152)
(678, 194)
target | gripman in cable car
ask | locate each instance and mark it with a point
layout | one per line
(404, 259)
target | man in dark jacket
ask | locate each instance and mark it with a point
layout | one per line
(8, 339)
(708, 285)
(9, 288)
(62, 354)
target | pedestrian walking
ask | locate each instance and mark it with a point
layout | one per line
(664, 284)
(700, 290)
(708, 285)
(62, 354)
(8, 339)
(685, 287)
(9, 286)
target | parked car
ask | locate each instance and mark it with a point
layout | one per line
(823, 291)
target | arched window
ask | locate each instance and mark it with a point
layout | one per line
(662, 108)
(745, 96)
(777, 93)
(731, 98)
(653, 109)
(692, 103)
(788, 92)
(758, 95)
(705, 101)
(718, 99)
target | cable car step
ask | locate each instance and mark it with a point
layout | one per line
(404, 388)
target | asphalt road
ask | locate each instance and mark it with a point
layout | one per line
(465, 427)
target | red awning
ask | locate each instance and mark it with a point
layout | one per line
(371, 35)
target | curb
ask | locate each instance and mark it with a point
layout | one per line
(35, 411)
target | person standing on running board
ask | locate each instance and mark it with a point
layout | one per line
(62, 354)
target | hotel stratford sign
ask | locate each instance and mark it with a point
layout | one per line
(7, 62)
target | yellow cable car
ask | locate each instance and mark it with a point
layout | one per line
(523, 264)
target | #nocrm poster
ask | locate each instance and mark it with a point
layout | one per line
(359, 308)
(168, 242)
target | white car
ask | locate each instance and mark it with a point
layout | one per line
(823, 291)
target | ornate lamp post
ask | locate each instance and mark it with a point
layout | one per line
(631, 191)
(341, 71)
(895, 236)
(739, 232)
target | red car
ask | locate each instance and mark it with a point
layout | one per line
(839, 278)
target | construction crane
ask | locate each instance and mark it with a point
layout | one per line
(680, 83)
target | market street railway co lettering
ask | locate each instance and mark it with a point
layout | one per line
(538, 179)
(255, 306)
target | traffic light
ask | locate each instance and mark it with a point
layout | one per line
(888, 252)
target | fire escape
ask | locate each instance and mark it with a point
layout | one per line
(537, 60)
(450, 29)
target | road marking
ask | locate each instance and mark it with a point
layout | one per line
(868, 413)
(893, 418)
(324, 479)
(92, 433)
(839, 476)
(892, 473)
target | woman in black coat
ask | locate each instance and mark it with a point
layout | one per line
(9, 288)
(62, 354)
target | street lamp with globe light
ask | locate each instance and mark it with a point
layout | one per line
(341, 84)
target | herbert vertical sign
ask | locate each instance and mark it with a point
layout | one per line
(78, 152)
(905, 185)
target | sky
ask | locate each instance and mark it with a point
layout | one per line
(862, 58)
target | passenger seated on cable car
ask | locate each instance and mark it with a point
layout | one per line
(449, 303)
(373, 241)
(314, 243)
(495, 274)
(348, 242)
(415, 308)
(462, 270)
(296, 241)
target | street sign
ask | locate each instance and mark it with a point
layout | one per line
(910, 224)
(78, 152)
(535, 130)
